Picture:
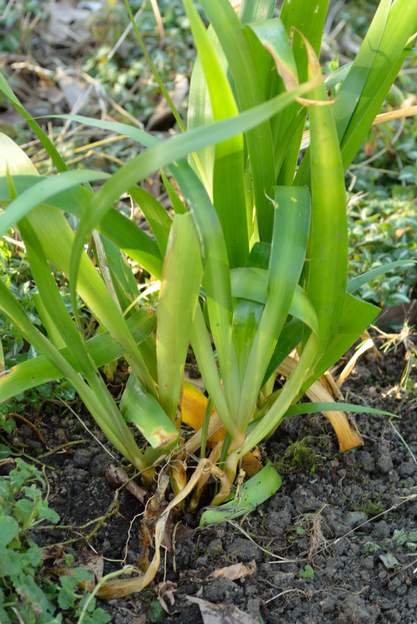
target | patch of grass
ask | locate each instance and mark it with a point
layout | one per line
(299, 456)
(370, 507)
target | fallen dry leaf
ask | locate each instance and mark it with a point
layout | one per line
(221, 613)
(66, 24)
(235, 571)
(166, 595)
(73, 89)
(95, 564)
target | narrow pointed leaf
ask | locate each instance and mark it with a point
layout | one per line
(181, 279)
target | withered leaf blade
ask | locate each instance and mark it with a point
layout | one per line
(221, 613)
(235, 571)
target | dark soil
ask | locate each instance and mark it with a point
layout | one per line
(350, 518)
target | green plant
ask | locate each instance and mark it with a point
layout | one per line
(383, 231)
(27, 595)
(250, 263)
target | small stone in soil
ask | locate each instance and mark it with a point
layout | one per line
(408, 469)
(385, 462)
(366, 461)
(244, 550)
(412, 598)
(381, 529)
(99, 464)
(305, 500)
(354, 611)
(277, 522)
(355, 518)
(82, 457)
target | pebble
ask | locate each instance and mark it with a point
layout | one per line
(368, 563)
(81, 458)
(277, 522)
(335, 522)
(412, 598)
(220, 590)
(305, 500)
(99, 464)
(215, 547)
(408, 469)
(354, 611)
(355, 518)
(381, 529)
(385, 462)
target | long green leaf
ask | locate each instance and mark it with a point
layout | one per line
(102, 348)
(35, 127)
(123, 232)
(163, 154)
(355, 283)
(252, 284)
(314, 408)
(42, 191)
(228, 176)
(291, 228)
(245, 71)
(120, 436)
(146, 413)
(157, 217)
(352, 87)
(256, 10)
(392, 51)
(181, 279)
(328, 246)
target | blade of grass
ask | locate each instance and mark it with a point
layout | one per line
(146, 413)
(157, 217)
(256, 10)
(314, 408)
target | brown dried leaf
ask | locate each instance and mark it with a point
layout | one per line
(221, 613)
(235, 571)
(95, 564)
(166, 594)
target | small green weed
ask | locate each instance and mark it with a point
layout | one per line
(299, 456)
(306, 573)
(26, 595)
(384, 231)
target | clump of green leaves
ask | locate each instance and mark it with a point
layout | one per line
(124, 73)
(250, 260)
(26, 594)
(384, 231)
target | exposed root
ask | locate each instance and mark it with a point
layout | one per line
(125, 587)
(213, 458)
